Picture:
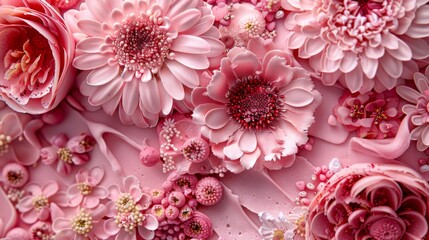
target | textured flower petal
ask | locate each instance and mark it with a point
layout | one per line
(98, 9)
(130, 97)
(171, 85)
(232, 151)
(110, 227)
(61, 224)
(185, 20)
(369, 66)
(348, 62)
(190, 44)
(354, 80)
(103, 93)
(245, 64)
(185, 75)
(248, 160)
(218, 87)
(150, 96)
(102, 75)
(298, 97)
(50, 188)
(408, 94)
(248, 142)
(90, 45)
(418, 225)
(403, 52)
(194, 61)
(90, 61)
(91, 27)
(224, 133)
(216, 118)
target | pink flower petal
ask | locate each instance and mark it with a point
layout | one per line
(248, 160)
(247, 142)
(111, 227)
(408, 94)
(130, 97)
(104, 93)
(171, 85)
(65, 234)
(90, 61)
(391, 65)
(245, 64)
(194, 61)
(216, 118)
(102, 75)
(185, 75)
(186, 19)
(190, 44)
(61, 224)
(150, 222)
(50, 188)
(224, 133)
(298, 97)
(348, 62)
(218, 87)
(149, 96)
(90, 201)
(354, 79)
(233, 151)
(97, 174)
(90, 45)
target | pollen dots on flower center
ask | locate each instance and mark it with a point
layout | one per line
(4, 143)
(82, 223)
(140, 44)
(196, 150)
(254, 103)
(125, 203)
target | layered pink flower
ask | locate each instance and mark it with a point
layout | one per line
(35, 206)
(36, 51)
(363, 44)
(140, 57)
(257, 108)
(418, 96)
(369, 201)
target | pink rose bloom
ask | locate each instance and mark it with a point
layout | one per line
(126, 218)
(82, 224)
(418, 108)
(86, 192)
(18, 140)
(37, 49)
(141, 57)
(368, 201)
(257, 108)
(363, 44)
(35, 206)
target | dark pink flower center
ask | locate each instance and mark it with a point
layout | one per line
(386, 229)
(254, 103)
(139, 44)
(196, 150)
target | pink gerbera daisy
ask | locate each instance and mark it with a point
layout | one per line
(257, 107)
(363, 44)
(140, 56)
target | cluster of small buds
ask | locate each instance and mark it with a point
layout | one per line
(424, 165)
(5, 140)
(318, 181)
(14, 195)
(219, 170)
(170, 131)
(82, 223)
(41, 231)
(175, 206)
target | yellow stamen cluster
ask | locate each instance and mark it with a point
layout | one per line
(40, 202)
(65, 155)
(82, 223)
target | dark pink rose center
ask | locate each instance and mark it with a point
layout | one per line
(386, 229)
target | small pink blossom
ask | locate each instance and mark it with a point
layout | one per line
(17, 138)
(80, 224)
(86, 192)
(372, 115)
(67, 153)
(125, 212)
(370, 201)
(35, 206)
(37, 50)
(257, 108)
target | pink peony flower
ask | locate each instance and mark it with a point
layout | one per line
(139, 57)
(17, 138)
(418, 96)
(125, 212)
(37, 50)
(368, 201)
(83, 224)
(67, 153)
(86, 192)
(372, 115)
(35, 206)
(257, 108)
(363, 44)
(286, 227)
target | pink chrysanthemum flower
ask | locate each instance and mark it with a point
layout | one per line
(363, 44)
(257, 107)
(140, 56)
(419, 108)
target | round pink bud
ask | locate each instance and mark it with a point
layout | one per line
(192, 203)
(159, 212)
(185, 213)
(209, 191)
(157, 195)
(185, 181)
(196, 150)
(15, 175)
(149, 156)
(172, 212)
(177, 199)
(199, 226)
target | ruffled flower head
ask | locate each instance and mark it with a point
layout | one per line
(139, 56)
(257, 108)
(365, 44)
(368, 201)
(418, 108)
